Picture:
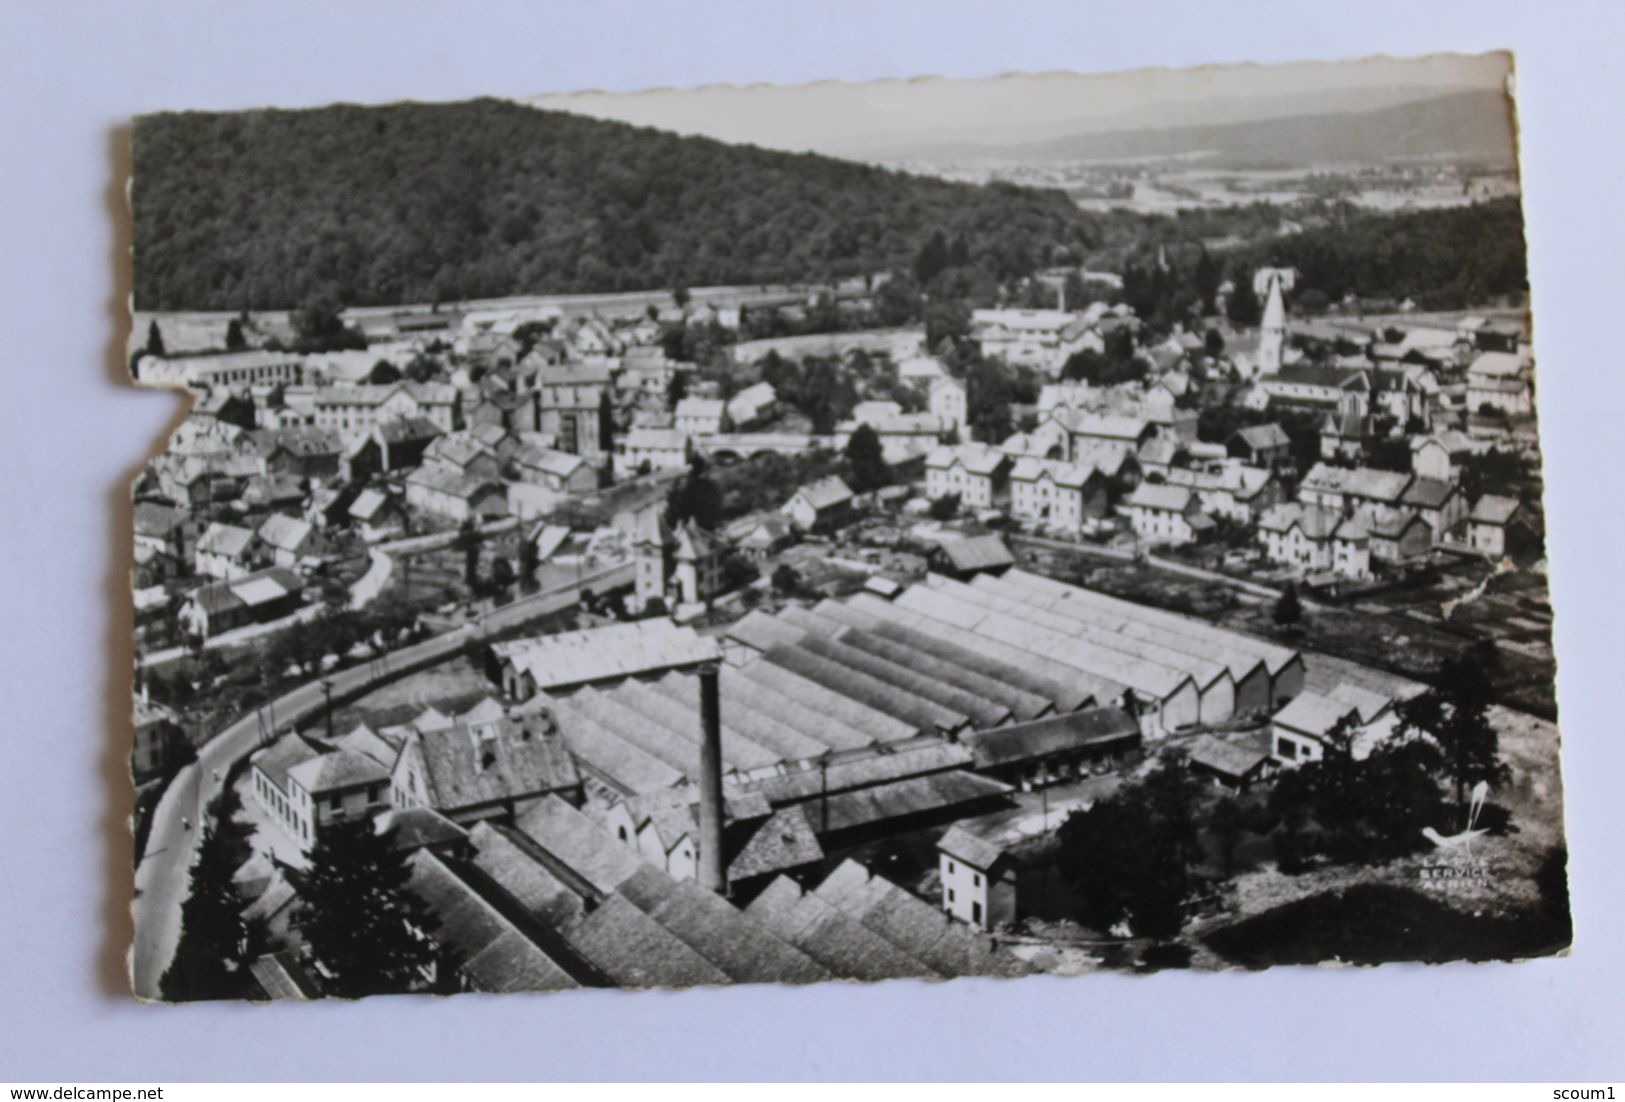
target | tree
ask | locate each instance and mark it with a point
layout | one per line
(155, 339)
(680, 296)
(360, 919)
(945, 507)
(216, 942)
(1454, 715)
(1243, 307)
(384, 372)
(502, 575)
(468, 542)
(786, 580)
(1128, 854)
(1228, 822)
(676, 388)
(1288, 610)
(235, 341)
(529, 560)
(866, 459)
(932, 258)
(695, 497)
(1206, 278)
(1213, 343)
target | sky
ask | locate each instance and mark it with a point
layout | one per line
(883, 117)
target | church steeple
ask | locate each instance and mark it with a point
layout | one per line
(1272, 332)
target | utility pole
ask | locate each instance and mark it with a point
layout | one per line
(327, 697)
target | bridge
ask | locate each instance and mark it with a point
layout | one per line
(743, 445)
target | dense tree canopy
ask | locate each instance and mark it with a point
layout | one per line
(436, 202)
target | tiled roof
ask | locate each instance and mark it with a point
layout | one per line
(1150, 495)
(580, 845)
(467, 765)
(507, 857)
(633, 950)
(494, 954)
(1494, 509)
(1055, 734)
(740, 946)
(974, 850)
(834, 939)
(338, 770)
(225, 539)
(825, 492)
(977, 553)
(933, 792)
(1224, 757)
(599, 654)
(285, 533)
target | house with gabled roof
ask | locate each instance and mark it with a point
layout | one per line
(493, 768)
(447, 492)
(377, 515)
(307, 785)
(286, 541)
(822, 506)
(1299, 733)
(1058, 494)
(977, 473)
(752, 406)
(226, 551)
(1346, 489)
(1164, 514)
(1495, 525)
(1311, 539)
(978, 879)
(1440, 503)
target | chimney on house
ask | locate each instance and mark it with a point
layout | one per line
(713, 861)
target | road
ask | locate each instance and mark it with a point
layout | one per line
(162, 874)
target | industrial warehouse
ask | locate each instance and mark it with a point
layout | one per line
(648, 805)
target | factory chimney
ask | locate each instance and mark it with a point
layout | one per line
(713, 861)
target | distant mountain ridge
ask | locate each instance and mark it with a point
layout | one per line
(1468, 125)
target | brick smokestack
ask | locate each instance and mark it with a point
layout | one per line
(713, 861)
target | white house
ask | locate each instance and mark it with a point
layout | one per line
(1058, 494)
(662, 449)
(978, 879)
(1487, 524)
(1042, 339)
(752, 406)
(700, 416)
(1501, 380)
(977, 473)
(948, 404)
(821, 506)
(1163, 514)
(1299, 731)
(225, 551)
(1311, 539)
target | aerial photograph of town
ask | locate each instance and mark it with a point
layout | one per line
(1048, 524)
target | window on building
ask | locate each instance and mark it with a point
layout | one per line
(950, 868)
(950, 895)
(337, 803)
(1286, 748)
(976, 880)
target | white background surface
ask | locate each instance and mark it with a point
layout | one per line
(71, 436)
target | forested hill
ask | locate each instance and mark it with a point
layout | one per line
(420, 203)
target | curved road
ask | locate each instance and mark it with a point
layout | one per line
(161, 877)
